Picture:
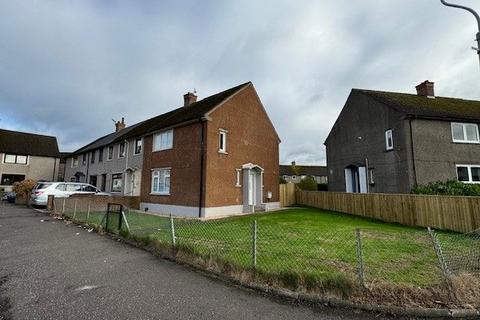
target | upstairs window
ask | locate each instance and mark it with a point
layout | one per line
(138, 146)
(84, 159)
(15, 159)
(468, 173)
(389, 140)
(75, 162)
(163, 140)
(110, 153)
(92, 159)
(222, 141)
(465, 132)
(121, 150)
(100, 155)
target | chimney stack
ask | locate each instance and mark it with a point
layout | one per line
(293, 163)
(120, 125)
(426, 89)
(189, 98)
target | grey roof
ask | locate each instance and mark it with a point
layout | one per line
(303, 170)
(424, 107)
(24, 143)
(177, 116)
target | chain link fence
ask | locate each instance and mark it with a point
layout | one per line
(388, 264)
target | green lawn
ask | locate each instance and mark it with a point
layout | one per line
(310, 243)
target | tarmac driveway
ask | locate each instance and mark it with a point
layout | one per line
(50, 270)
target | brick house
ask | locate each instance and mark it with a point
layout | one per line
(389, 142)
(214, 157)
(27, 156)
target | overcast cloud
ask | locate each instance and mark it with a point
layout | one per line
(68, 67)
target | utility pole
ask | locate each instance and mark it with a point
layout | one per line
(476, 17)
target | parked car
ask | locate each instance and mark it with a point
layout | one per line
(9, 197)
(42, 190)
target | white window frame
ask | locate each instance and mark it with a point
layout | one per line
(159, 135)
(464, 127)
(294, 177)
(238, 178)
(122, 179)
(469, 167)
(74, 158)
(169, 175)
(222, 141)
(124, 150)
(135, 153)
(389, 134)
(84, 159)
(16, 159)
(108, 153)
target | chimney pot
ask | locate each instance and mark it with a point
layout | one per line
(426, 89)
(120, 125)
(189, 98)
(293, 163)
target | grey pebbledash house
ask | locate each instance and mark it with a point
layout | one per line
(389, 142)
(112, 163)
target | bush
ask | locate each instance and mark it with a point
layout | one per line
(450, 187)
(282, 180)
(308, 184)
(24, 188)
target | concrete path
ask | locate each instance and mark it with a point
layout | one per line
(50, 270)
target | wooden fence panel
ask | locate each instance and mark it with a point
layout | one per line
(287, 195)
(460, 214)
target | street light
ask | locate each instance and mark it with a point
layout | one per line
(476, 17)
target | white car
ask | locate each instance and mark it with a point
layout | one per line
(42, 190)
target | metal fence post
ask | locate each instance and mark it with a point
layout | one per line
(438, 251)
(254, 244)
(75, 209)
(172, 229)
(88, 210)
(360, 268)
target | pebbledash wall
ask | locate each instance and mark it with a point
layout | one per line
(251, 140)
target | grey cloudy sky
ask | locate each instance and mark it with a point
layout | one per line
(68, 67)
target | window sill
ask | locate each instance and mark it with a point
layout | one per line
(466, 142)
(162, 150)
(388, 150)
(222, 152)
(137, 154)
(159, 194)
(238, 186)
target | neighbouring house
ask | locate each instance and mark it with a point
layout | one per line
(27, 156)
(63, 162)
(295, 173)
(213, 157)
(389, 142)
(112, 163)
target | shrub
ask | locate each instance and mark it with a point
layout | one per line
(24, 188)
(308, 183)
(450, 187)
(282, 180)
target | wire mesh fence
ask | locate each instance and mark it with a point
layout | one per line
(299, 255)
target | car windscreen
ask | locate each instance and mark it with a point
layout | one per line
(42, 185)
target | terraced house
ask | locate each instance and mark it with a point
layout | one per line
(217, 156)
(389, 142)
(27, 156)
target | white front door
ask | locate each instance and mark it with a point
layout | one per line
(252, 188)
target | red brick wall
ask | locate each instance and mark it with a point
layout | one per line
(251, 138)
(184, 161)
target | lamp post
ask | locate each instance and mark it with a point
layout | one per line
(476, 17)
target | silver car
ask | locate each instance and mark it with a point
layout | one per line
(42, 190)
